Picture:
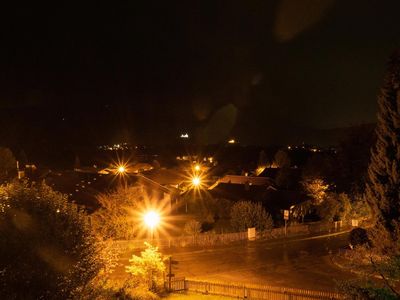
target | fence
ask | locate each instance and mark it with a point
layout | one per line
(200, 240)
(212, 239)
(250, 291)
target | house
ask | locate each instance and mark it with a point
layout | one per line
(243, 180)
(170, 178)
(273, 199)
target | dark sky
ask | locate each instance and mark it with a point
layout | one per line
(261, 71)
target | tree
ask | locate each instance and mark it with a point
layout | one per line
(47, 248)
(316, 189)
(360, 209)
(148, 269)
(336, 207)
(282, 159)
(23, 159)
(246, 214)
(353, 158)
(383, 194)
(319, 165)
(77, 162)
(115, 218)
(8, 163)
(262, 159)
(192, 227)
(383, 185)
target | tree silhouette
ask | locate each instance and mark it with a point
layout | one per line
(8, 164)
(383, 185)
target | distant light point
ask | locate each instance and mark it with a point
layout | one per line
(184, 135)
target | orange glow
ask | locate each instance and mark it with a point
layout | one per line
(196, 181)
(151, 219)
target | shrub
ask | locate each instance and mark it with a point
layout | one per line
(245, 214)
(359, 236)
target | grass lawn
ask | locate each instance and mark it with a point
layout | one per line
(193, 296)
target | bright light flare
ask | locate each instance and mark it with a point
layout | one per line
(121, 169)
(151, 219)
(197, 167)
(196, 181)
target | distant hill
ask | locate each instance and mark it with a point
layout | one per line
(333, 136)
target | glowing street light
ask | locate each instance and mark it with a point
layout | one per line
(121, 170)
(197, 167)
(151, 219)
(196, 181)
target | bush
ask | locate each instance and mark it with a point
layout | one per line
(366, 291)
(359, 236)
(246, 214)
(47, 249)
(135, 293)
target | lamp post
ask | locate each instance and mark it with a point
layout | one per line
(121, 172)
(196, 183)
(151, 219)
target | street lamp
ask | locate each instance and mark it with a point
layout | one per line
(121, 170)
(151, 219)
(196, 181)
(197, 168)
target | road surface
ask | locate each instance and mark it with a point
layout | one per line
(299, 263)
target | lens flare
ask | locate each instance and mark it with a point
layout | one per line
(196, 181)
(151, 219)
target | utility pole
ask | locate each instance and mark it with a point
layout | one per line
(170, 274)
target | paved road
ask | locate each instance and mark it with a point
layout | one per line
(301, 263)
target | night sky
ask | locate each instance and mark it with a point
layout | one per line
(265, 72)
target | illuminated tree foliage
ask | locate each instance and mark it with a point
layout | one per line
(316, 189)
(116, 217)
(383, 185)
(47, 250)
(148, 269)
